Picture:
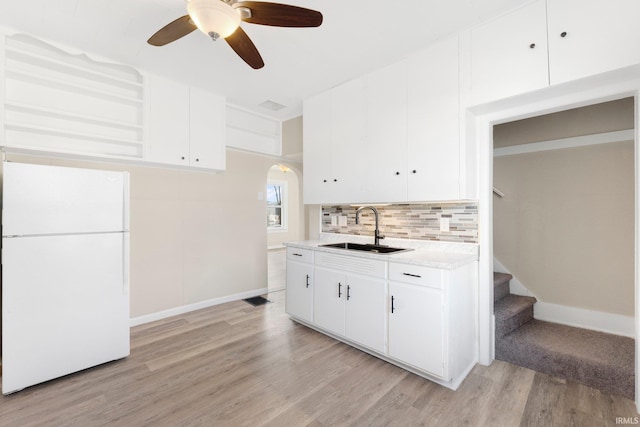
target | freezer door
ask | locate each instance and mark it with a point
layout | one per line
(65, 306)
(42, 199)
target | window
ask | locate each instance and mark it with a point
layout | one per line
(277, 206)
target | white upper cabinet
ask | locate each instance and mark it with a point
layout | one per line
(588, 37)
(392, 136)
(206, 129)
(509, 54)
(433, 160)
(552, 42)
(386, 134)
(316, 153)
(186, 125)
(168, 121)
(333, 152)
(348, 144)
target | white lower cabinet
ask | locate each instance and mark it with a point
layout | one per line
(432, 318)
(420, 318)
(350, 305)
(299, 302)
(417, 327)
(365, 301)
(328, 302)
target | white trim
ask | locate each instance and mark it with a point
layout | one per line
(284, 205)
(610, 323)
(573, 142)
(600, 88)
(140, 320)
(636, 257)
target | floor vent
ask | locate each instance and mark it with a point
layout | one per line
(256, 301)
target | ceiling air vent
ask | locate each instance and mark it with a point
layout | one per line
(272, 105)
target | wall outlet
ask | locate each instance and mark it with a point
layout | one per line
(342, 220)
(334, 220)
(444, 224)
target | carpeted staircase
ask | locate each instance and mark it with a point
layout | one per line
(596, 359)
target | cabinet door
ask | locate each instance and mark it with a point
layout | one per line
(347, 145)
(416, 327)
(365, 312)
(433, 125)
(598, 36)
(329, 297)
(509, 54)
(317, 137)
(168, 121)
(299, 291)
(386, 134)
(206, 130)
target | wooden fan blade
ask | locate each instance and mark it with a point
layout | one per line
(172, 31)
(280, 15)
(244, 47)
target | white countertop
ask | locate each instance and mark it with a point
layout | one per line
(445, 255)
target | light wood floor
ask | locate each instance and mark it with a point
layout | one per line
(238, 365)
(277, 267)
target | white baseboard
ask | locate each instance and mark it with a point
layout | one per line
(616, 324)
(140, 320)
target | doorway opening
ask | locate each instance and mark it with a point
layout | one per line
(283, 219)
(563, 241)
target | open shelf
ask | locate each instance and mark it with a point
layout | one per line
(47, 81)
(61, 102)
(27, 108)
(80, 62)
(43, 62)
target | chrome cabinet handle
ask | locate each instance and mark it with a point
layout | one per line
(392, 300)
(307, 280)
(339, 290)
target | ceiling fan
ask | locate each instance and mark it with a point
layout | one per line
(221, 19)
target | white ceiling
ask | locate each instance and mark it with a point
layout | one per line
(355, 37)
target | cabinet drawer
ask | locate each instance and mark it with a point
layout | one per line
(352, 264)
(415, 274)
(300, 255)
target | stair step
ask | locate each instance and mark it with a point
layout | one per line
(512, 312)
(501, 285)
(596, 359)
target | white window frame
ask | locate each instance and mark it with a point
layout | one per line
(284, 206)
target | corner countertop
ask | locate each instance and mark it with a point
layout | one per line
(444, 255)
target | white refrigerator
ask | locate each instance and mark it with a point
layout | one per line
(65, 271)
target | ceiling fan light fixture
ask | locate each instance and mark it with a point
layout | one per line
(213, 17)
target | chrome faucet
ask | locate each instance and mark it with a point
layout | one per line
(377, 235)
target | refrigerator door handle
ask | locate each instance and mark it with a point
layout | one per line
(125, 263)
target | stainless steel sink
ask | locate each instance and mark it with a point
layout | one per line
(366, 248)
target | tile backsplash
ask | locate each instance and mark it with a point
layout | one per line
(420, 222)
